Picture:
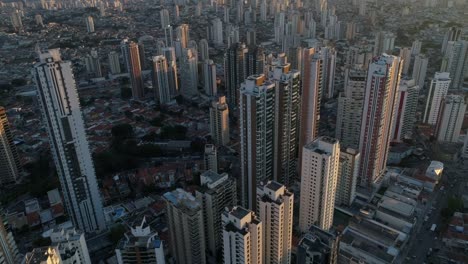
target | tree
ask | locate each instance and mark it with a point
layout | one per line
(42, 242)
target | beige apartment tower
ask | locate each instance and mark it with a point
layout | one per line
(319, 176)
(275, 209)
(10, 165)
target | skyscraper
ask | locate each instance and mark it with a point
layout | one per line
(204, 50)
(452, 34)
(93, 64)
(64, 122)
(455, 62)
(257, 130)
(10, 165)
(275, 209)
(451, 117)
(420, 69)
(384, 42)
(16, 21)
(131, 55)
(8, 249)
(160, 77)
(140, 245)
(209, 78)
(114, 62)
(383, 77)
(165, 21)
(235, 71)
(189, 73)
(90, 24)
(217, 32)
(169, 53)
(287, 108)
(217, 192)
(182, 35)
(416, 47)
(211, 158)
(349, 113)
(405, 55)
(437, 91)
(347, 176)
(319, 176)
(219, 121)
(405, 111)
(186, 227)
(310, 98)
(242, 237)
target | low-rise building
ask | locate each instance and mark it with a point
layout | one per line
(318, 247)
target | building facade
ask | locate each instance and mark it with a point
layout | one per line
(217, 192)
(275, 209)
(186, 227)
(347, 176)
(62, 117)
(437, 91)
(319, 176)
(131, 56)
(382, 82)
(219, 121)
(405, 111)
(242, 237)
(452, 114)
(257, 130)
(10, 165)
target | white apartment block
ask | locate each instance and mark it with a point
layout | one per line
(64, 122)
(347, 176)
(437, 91)
(451, 118)
(71, 240)
(319, 176)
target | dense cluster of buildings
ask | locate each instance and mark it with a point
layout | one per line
(266, 102)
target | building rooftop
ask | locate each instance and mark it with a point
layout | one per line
(182, 199)
(239, 212)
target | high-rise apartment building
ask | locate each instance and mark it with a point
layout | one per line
(62, 117)
(209, 78)
(71, 240)
(189, 73)
(165, 20)
(405, 55)
(242, 237)
(452, 34)
(420, 69)
(90, 24)
(10, 166)
(211, 158)
(140, 245)
(257, 131)
(416, 47)
(114, 62)
(310, 98)
(319, 176)
(217, 192)
(437, 91)
(16, 21)
(169, 53)
(131, 55)
(219, 121)
(160, 78)
(204, 50)
(275, 209)
(349, 113)
(217, 32)
(182, 35)
(235, 71)
(347, 176)
(405, 111)
(383, 77)
(452, 113)
(186, 227)
(455, 62)
(287, 108)
(93, 64)
(464, 152)
(8, 250)
(384, 42)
